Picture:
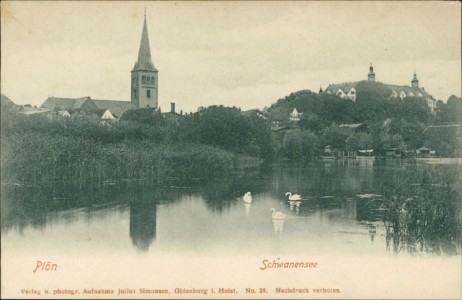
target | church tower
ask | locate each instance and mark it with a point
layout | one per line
(144, 86)
(415, 81)
(371, 75)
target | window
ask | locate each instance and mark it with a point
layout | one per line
(149, 80)
(148, 94)
(134, 93)
(153, 81)
(143, 79)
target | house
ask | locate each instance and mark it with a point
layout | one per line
(449, 131)
(87, 106)
(172, 115)
(348, 90)
(8, 105)
(255, 112)
(345, 90)
(294, 116)
(64, 113)
(116, 108)
(70, 104)
(393, 152)
(107, 115)
(423, 152)
(349, 129)
(29, 110)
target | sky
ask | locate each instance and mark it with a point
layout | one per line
(243, 54)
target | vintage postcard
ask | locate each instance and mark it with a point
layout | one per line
(231, 150)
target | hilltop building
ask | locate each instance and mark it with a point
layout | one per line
(348, 90)
(144, 88)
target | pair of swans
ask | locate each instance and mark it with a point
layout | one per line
(292, 197)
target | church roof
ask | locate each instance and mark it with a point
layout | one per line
(117, 108)
(144, 54)
(66, 103)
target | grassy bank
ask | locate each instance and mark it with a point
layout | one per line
(34, 159)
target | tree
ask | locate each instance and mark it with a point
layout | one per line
(372, 102)
(300, 144)
(360, 140)
(226, 128)
(416, 110)
(148, 116)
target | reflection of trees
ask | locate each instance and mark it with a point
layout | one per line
(22, 207)
(143, 223)
(220, 194)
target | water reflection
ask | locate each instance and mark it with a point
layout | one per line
(347, 206)
(143, 223)
(294, 205)
(372, 231)
(278, 226)
(248, 206)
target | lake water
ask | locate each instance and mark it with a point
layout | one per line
(201, 240)
(336, 216)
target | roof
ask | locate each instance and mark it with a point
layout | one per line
(97, 112)
(28, 110)
(6, 100)
(8, 105)
(333, 88)
(450, 130)
(64, 113)
(144, 54)
(423, 148)
(65, 103)
(117, 108)
(346, 86)
(408, 89)
(356, 125)
(254, 111)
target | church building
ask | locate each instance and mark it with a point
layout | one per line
(144, 87)
(348, 90)
(144, 76)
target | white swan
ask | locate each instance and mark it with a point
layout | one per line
(277, 214)
(247, 197)
(294, 197)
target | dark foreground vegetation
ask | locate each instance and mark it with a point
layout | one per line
(147, 147)
(421, 210)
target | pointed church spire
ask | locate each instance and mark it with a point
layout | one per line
(144, 54)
